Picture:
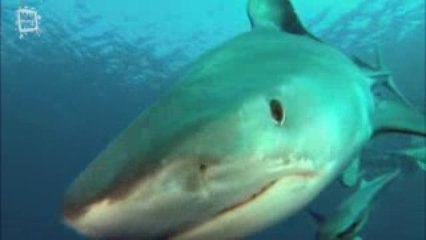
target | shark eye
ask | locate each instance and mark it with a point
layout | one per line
(277, 111)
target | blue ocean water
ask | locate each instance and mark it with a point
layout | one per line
(97, 64)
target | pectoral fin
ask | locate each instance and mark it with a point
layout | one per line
(351, 175)
(395, 117)
(417, 154)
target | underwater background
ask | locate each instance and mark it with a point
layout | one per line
(97, 64)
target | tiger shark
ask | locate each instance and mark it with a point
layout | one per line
(251, 134)
(352, 214)
(416, 151)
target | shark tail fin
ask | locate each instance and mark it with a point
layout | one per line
(396, 117)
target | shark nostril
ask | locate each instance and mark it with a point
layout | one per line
(277, 111)
(203, 167)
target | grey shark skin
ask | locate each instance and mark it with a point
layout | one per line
(251, 134)
(352, 214)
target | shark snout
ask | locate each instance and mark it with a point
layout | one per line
(177, 181)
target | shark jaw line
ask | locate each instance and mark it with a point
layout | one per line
(275, 169)
(300, 173)
(261, 191)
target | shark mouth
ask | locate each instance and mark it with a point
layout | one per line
(245, 203)
(262, 191)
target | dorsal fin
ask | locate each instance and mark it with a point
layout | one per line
(276, 14)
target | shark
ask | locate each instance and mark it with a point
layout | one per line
(418, 154)
(253, 131)
(415, 151)
(352, 215)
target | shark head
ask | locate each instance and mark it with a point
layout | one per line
(249, 136)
